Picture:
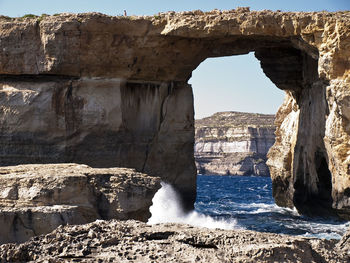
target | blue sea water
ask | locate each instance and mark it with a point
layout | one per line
(248, 202)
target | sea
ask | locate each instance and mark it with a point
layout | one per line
(240, 202)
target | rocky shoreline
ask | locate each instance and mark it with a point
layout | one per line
(134, 241)
(72, 212)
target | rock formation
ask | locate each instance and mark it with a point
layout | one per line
(112, 91)
(115, 241)
(36, 199)
(233, 143)
(344, 244)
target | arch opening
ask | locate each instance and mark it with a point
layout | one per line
(292, 66)
(235, 105)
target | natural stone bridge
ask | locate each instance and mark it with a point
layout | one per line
(112, 91)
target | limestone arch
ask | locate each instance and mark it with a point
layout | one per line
(113, 91)
(292, 65)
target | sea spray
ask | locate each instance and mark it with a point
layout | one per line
(167, 208)
(240, 202)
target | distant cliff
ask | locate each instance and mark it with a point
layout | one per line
(234, 143)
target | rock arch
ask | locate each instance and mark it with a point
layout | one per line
(112, 91)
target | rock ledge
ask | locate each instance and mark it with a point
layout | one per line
(35, 199)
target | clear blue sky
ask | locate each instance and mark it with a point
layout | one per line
(234, 83)
(220, 84)
(150, 7)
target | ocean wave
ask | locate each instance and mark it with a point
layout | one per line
(166, 208)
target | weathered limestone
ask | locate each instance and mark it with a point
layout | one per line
(112, 91)
(233, 143)
(36, 199)
(116, 241)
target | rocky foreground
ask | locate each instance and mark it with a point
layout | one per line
(133, 241)
(234, 143)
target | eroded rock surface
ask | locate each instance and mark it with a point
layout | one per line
(234, 143)
(35, 199)
(112, 91)
(106, 241)
(344, 244)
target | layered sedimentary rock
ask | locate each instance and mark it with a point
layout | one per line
(112, 91)
(36, 199)
(116, 241)
(99, 122)
(233, 143)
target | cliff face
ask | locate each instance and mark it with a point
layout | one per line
(99, 122)
(109, 91)
(36, 199)
(233, 143)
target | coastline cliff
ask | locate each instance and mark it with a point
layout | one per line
(234, 143)
(112, 91)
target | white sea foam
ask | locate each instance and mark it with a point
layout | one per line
(166, 208)
(257, 208)
(324, 230)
